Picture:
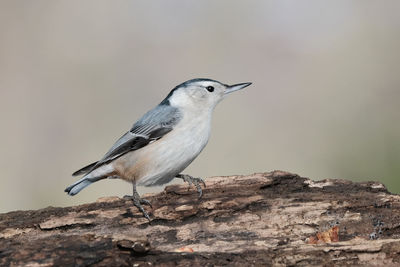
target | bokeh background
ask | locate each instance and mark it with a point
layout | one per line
(75, 75)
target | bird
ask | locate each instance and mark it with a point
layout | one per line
(163, 142)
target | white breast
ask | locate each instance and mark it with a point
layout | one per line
(171, 154)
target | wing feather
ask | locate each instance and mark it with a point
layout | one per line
(152, 126)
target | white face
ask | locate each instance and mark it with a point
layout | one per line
(199, 94)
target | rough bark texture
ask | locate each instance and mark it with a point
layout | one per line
(260, 219)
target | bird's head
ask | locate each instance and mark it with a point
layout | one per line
(200, 94)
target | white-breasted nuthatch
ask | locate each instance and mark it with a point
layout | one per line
(163, 142)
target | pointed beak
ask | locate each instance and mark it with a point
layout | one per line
(235, 87)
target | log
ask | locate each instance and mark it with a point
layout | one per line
(268, 219)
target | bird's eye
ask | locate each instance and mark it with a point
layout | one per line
(210, 88)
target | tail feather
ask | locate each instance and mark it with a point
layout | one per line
(95, 175)
(77, 187)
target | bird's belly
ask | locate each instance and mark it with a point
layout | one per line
(159, 162)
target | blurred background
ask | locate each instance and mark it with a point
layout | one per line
(75, 75)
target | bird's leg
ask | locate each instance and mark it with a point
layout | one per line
(137, 201)
(192, 180)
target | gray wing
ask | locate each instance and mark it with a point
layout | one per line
(152, 126)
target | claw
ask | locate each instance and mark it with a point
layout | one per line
(137, 201)
(202, 181)
(199, 190)
(195, 181)
(145, 202)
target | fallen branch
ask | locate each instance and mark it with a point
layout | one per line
(273, 218)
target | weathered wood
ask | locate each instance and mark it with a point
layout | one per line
(259, 219)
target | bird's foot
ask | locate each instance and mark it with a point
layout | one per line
(195, 181)
(138, 201)
(141, 200)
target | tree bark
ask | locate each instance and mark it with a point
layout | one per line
(275, 218)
